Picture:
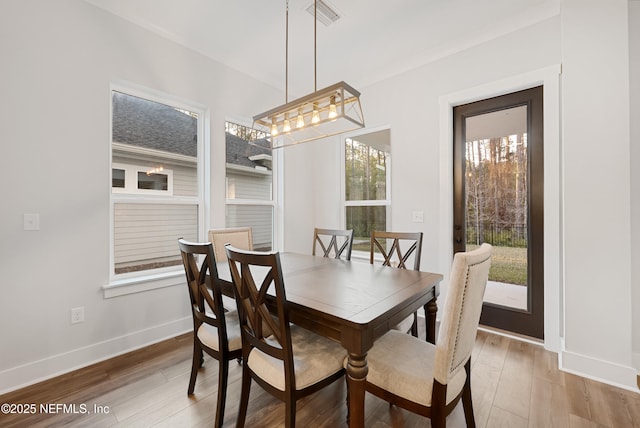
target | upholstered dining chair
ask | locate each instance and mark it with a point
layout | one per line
(239, 237)
(287, 361)
(430, 379)
(215, 332)
(397, 249)
(333, 243)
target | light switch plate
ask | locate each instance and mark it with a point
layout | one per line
(418, 216)
(31, 221)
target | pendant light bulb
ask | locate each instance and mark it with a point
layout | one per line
(286, 125)
(274, 127)
(332, 108)
(315, 116)
(300, 120)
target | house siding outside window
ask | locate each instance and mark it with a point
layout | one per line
(156, 197)
(249, 184)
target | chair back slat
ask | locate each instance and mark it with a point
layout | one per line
(335, 237)
(395, 255)
(203, 285)
(260, 329)
(461, 314)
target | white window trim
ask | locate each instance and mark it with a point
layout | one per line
(129, 283)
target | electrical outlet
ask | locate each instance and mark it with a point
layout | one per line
(77, 315)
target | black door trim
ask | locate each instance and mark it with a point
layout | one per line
(531, 321)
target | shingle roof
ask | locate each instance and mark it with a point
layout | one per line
(153, 125)
(239, 151)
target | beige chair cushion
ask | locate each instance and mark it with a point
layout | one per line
(407, 371)
(314, 357)
(239, 237)
(209, 334)
(404, 325)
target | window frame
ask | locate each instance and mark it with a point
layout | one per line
(359, 254)
(275, 189)
(134, 282)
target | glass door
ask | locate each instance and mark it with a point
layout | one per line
(498, 182)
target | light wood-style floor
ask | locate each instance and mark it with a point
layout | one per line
(514, 383)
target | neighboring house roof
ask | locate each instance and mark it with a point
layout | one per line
(153, 125)
(240, 151)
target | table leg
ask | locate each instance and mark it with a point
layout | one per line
(356, 377)
(430, 310)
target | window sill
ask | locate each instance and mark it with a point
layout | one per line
(139, 284)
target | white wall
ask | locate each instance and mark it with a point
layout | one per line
(421, 163)
(596, 179)
(634, 84)
(589, 267)
(58, 61)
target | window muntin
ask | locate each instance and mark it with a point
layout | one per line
(156, 179)
(249, 183)
(366, 185)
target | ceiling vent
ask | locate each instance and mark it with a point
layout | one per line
(326, 13)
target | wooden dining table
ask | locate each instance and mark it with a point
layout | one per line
(353, 303)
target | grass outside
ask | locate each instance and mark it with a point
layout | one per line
(508, 264)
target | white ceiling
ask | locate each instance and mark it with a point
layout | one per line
(372, 40)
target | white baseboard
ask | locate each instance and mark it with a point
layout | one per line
(602, 371)
(635, 360)
(55, 365)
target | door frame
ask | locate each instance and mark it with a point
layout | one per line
(549, 78)
(530, 321)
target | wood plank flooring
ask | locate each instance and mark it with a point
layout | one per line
(514, 383)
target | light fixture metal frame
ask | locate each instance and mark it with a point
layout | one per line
(333, 110)
(348, 116)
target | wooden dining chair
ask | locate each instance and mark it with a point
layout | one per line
(215, 332)
(397, 250)
(333, 242)
(239, 237)
(287, 361)
(431, 379)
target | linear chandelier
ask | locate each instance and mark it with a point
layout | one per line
(323, 113)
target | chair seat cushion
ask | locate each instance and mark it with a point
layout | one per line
(404, 325)
(208, 334)
(403, 365)
(314, 357)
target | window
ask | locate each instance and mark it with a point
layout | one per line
(367, 199)
(156, 191)
(249, 183)
(135, 179)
